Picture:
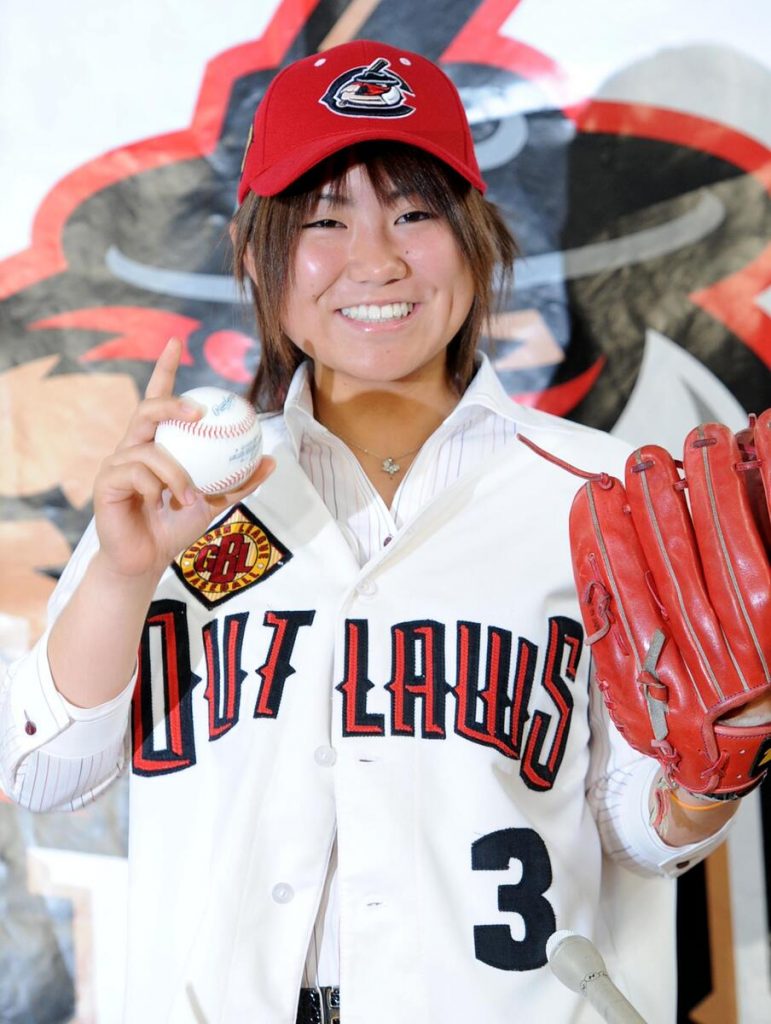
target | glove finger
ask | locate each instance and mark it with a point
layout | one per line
(755, 446)
(736, 570)
(623, 617)
(763, 445)
(663, 523)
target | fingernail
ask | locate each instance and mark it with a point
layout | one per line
(189, 496)
(192, 408)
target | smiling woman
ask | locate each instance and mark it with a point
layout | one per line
(370, 777)
(395, 173)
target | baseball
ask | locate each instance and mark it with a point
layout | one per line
(220, 450)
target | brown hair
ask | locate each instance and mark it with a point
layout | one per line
(267, 228)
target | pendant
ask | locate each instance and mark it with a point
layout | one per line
(389, 466)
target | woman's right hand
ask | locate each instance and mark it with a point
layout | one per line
(146, 507)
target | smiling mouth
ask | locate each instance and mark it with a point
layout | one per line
(378, 314)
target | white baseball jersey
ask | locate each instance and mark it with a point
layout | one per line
(432, 706)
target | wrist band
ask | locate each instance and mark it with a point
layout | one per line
(695, 807)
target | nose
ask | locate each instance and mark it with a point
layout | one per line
(374, 255)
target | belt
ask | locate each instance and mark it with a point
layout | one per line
(319, 1006)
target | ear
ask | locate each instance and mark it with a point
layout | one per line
(248, 255)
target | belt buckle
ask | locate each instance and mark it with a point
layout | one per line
(331, 1001)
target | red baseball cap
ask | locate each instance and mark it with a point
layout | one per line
(357, 92)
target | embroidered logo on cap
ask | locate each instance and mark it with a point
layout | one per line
(371, 91)
(234, 554)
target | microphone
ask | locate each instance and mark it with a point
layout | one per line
(577, 963)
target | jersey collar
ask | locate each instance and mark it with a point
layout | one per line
(485, 392)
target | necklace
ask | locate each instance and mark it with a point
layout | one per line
(388, 463)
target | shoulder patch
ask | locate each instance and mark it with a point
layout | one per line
(234, 554)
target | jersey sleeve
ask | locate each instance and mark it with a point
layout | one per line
(619, 786)
(53, 755)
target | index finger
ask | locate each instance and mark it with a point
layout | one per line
(161, 383)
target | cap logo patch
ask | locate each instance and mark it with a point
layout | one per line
(234, 554)
(371, 91)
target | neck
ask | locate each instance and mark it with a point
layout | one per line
(385, 419)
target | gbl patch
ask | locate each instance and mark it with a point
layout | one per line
(233, 555)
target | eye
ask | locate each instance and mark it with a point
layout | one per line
(414, 216)
(324, 222)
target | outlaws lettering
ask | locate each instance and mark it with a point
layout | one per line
(489, 706)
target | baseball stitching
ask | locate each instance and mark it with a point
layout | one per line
(226, 483)
(214, 431)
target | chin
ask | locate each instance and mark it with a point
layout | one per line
(384, 374)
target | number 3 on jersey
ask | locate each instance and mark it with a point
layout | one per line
(494, 943)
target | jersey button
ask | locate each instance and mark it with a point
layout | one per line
(325, 756)
(366, 588)
(283, 893)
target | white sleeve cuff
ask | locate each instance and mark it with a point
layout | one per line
(638, 834)
(40, 717)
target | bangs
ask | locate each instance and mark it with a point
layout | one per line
(393, 168)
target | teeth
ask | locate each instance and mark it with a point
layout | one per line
(371, 314)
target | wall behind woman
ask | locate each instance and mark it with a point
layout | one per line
(630, 147)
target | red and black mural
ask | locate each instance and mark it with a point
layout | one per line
(640, 298)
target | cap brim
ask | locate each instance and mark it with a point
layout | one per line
(299, 161)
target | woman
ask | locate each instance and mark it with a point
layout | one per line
(362, 772)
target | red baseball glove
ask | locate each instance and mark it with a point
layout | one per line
(674, 581)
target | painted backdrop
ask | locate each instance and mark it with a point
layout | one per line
(629, 146)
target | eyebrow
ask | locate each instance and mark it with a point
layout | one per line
(342, 200)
